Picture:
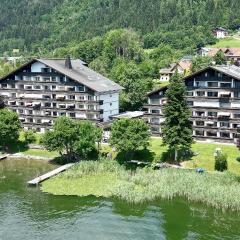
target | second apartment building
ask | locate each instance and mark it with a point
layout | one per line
(213, 94)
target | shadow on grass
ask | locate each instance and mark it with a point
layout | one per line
(17, 147)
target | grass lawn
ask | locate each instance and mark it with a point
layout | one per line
(40, 153)
(204, 159)
(227, 42)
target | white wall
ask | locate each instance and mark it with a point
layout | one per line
(110, 105)
(235, 105)
(37, 67)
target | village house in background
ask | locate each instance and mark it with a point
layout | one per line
(183, 67)
(220, 32)
(231, 54)
(213, 94)
(44, 89)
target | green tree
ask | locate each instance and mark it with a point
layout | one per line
(199, 63)
(29, 137)
(63, 137)
(129, 135)
(71, 137)
(220, 58)
(176, 129)
(10, 127)
(221, 163)
(88, 136)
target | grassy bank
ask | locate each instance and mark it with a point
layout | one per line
(227, 42)
(109, 179)
(204, 158)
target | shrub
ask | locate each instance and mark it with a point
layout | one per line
(221, 164)
(29, 137)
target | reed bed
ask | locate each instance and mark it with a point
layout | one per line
(109, 179)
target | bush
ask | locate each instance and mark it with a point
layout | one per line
(29, 137)
(221, 164)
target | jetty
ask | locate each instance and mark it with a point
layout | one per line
(48, 175)
(2, 157)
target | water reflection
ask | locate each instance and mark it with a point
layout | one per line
(26, 213)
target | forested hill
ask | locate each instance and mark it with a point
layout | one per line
(42, 25)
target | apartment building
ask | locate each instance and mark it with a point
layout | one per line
(44, 89)
(213, 95)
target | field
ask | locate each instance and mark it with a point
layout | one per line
(227, 42)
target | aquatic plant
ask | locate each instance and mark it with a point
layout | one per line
(109, 179)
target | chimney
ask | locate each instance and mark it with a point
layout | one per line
(68, 63)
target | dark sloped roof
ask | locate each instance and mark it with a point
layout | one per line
(83, 75)
(79, 73)
(230, 70)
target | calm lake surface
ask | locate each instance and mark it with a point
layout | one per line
(26, 213)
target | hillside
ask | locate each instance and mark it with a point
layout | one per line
(41, 25)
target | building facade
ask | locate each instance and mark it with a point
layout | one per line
(220, 32)
(213, 94)
(44, 89)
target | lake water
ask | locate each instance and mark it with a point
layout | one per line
(28, 214)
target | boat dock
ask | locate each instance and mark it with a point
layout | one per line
(2, 157)
(48, 175)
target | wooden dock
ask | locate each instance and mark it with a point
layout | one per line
(48, 175)
(2, 157)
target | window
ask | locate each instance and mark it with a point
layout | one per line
(224, 124)
(37, 79)
(90, 107)
(46, 97)
(155, 101)
(212, 94)
(155, 129)
(80, 88)
(212, 114)
(200, 84)
(54, 104)
(212, 134)
(81, 98)
(62, 114)
(199, 123)
(28, 87)
(30, 112)
(54, 114)
(4, 85)
(212, 84)
(46, 87)
(46, 70)
(90, 98)
(72, 97)
(199, 133)
(236, 115)
(190, 94)
(13, 85)
(37, 87)
(73, 115)
(46, 79)
(54, 79)
(225, 134)
(199, 114)
(155, 111)
(110, 104)
(200, 93)
(225, 85)
(155, 120)
(47, 104)
(81, 106)
(20, 110)
(190, 103)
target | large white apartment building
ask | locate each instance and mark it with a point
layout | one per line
(44, 89)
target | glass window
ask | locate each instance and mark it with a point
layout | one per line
(225, 85)
(212, 84)
(212, 94)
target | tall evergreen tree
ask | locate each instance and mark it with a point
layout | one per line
(177, 129)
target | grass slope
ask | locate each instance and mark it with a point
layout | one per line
(227, 42)
(109, 179)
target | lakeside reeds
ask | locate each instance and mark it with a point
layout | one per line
(109, 179)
